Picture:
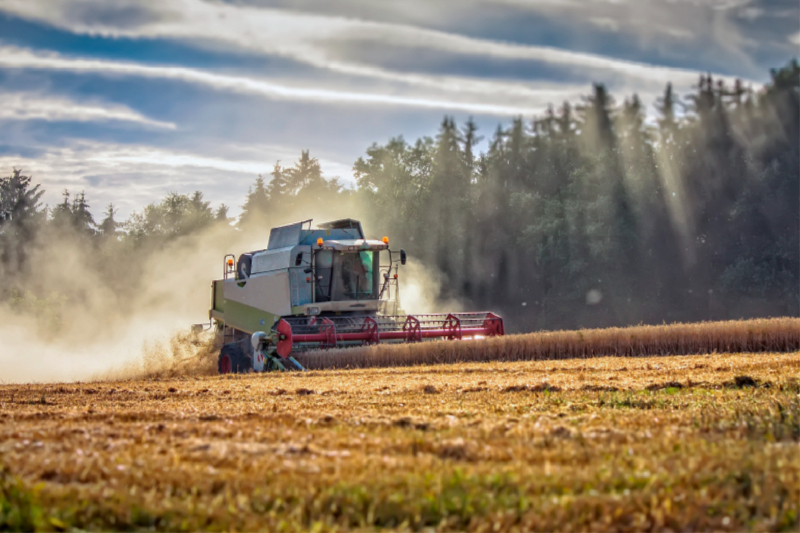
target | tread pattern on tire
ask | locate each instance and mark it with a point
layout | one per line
(240, 361)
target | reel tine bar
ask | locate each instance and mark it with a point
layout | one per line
(452, 325)
(328, 328)
(329, 332)
(412, 329)
(370, 326)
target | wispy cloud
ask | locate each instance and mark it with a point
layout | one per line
(131, 176)
(313, 39)
(27, 106)
(529, 101)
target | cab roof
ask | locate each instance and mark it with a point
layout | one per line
(302, 232)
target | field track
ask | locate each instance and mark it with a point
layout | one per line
(697, 442)
(758, 335)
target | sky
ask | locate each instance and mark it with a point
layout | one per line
(130, 100)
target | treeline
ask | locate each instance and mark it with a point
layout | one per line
(593, 214)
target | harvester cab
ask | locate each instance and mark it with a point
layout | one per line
(318, 288)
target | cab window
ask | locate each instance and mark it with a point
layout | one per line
(355, 276)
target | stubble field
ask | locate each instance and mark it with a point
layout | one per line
(610, 443)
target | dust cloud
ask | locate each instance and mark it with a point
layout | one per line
(124, 310)
(420, 290)
(114, 315)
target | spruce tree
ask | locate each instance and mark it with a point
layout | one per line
(82, 218)
(108, 227)
(21, 216)
(256, 202)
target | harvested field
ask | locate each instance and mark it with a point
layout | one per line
(606, 444)
(759, 335)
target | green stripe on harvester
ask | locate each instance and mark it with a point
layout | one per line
(240, 316)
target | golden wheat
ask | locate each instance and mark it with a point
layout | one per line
(758, 335)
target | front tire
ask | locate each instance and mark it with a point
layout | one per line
(233, 360)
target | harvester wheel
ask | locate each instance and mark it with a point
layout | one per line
(232, 359)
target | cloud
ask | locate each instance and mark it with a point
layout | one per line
(730, 36)
(529, 100)
(132, 176)
(795, 39)
(751, 13)
(25, 106)
(312, 39)
(605, 23)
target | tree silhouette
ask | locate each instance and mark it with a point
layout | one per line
(21, 216)
(108, 226)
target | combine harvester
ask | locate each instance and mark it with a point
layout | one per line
(320, 288)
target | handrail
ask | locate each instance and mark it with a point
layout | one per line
(228, 266)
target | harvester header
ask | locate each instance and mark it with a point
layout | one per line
(322, 287)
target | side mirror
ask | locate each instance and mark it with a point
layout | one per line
(402, 257)
(307, 270)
